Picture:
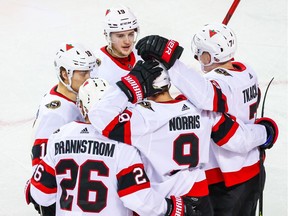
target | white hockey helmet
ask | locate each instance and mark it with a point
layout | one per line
(119, 19)
(90, 92)
(73, 56)
(216, 39)
(163, 80)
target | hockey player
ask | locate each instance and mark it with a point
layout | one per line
(116, 59)
(227, 86)
(73, 63)
(172, 135)
(87, 174)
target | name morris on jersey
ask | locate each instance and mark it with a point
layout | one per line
(84, 146)
(250, 93)
(184, 123)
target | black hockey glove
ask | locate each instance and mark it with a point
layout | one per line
(164, 50)
(138, 84)
(272, 131)
(48, 210)
(182, 206)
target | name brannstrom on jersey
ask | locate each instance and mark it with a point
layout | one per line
(84, 146)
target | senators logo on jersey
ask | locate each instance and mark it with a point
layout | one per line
(146, 105)
(53, 104)
(98, 61)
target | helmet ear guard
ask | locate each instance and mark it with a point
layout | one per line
(90, 92)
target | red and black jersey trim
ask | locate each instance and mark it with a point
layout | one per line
(132, 179)
(224, 129)
(53, 91)
(119, 128)
(38, 146)
(47, 182)
(219, 99)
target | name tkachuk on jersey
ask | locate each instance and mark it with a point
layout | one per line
(250, 93)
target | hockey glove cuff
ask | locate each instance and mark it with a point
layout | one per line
(271, 129)
(175, 206)
(138, 84)
(182, 206)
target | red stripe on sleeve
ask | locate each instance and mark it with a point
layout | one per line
(133, 189)
(227, 137)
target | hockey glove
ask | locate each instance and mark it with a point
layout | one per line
(182, 206)
(138, 84)
(272, 131)
(164, 50)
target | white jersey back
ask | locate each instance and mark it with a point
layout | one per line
(172, 137)
(111, 68)
(54, 111)
(86, 173)
(233, 91)
(240, 88)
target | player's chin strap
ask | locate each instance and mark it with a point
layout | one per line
(262, 155)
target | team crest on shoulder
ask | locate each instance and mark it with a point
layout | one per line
(146, 105)
(98, 62)
(53, 104)
(222, 71)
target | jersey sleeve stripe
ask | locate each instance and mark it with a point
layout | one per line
(38, 146)
(130, 181)
(47, 182)
(42, 187)
(118, 129)
(224, 130)
(133, 189)
(219, 100)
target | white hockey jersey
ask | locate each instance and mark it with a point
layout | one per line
(54, 111)
(233, 91)
(87, 174)
(173, 138)
(111, 68)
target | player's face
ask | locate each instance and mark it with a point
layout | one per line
(123, 42)
(78, 78)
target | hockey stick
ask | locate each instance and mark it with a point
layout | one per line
(230, 12)
(262, 154)
(263, 103)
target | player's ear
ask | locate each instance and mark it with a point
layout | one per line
(64, 75)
